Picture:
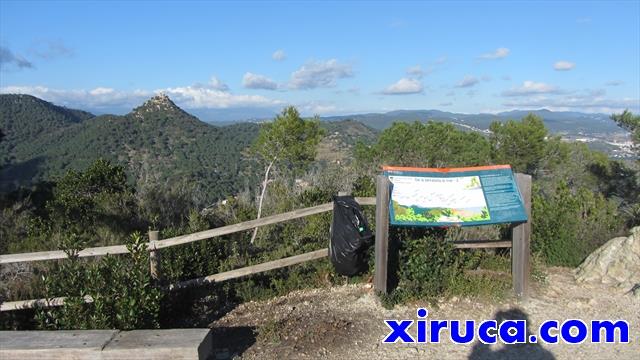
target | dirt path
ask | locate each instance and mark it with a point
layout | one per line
(347, 323)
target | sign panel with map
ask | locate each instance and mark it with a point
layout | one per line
(454, 196)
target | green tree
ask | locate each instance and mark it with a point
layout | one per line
(288, 142)
(630, 122)
(520, 144)
(433, 144)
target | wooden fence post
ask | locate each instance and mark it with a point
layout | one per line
(521, 239)
(154, 257)
(382, 234)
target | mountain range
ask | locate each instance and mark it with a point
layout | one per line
(570, 123)
(157, 143)
(160, 143)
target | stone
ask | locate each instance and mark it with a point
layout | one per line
(617, 262)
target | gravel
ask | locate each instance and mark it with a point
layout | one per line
(347, 322)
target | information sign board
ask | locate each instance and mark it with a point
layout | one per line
(470, 196)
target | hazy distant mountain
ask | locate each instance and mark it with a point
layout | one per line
(571, 123)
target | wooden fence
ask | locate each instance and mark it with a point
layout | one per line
(519, 243)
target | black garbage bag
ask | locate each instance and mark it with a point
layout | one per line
(350, 236)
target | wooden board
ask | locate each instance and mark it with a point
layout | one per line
(250, 270)
(54, 345)
(179, 240)
(30, 304)
(166, 344)
(174, 344)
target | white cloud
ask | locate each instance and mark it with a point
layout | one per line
(531, 88)
(415, 72)
(199, 97)
(255, 81)
(500, 53)
(101, 91)
(404, 86)
(446, 104)
(216, 84)
(468, 81)
(195, 96)
(315, 74)
(279, 55)
(99, 97)
(317, 108)
(564, 65)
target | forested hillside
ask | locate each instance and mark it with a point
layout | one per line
(158, 143)
(26, 121)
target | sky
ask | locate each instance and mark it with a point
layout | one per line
(236, 60)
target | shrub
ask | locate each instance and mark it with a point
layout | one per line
(569, 226)
(124, 296)
(424, 268)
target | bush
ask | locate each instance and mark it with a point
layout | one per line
(569, 226)
(424, 268)
(124, 296)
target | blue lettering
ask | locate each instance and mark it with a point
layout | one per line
(545, 333)
(609, 328)
(565, 331)
(517, 336)
(422, 325)
(436, 326)
(483, 332)
(398, 331)
(456, 337)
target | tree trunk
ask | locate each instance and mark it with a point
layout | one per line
(261, 199)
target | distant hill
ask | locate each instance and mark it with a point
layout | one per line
(340, 138)
(571, 123)
(24, 117)
(159, 142)
(597, 130)
(156, 142)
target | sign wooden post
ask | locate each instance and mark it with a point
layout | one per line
(382, 234)
(521, 239)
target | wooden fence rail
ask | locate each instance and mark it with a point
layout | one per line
(154, 245)
(237, 273)
(179, 240)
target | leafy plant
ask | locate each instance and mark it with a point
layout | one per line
(124, 296)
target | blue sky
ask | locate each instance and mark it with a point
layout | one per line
(242, 59)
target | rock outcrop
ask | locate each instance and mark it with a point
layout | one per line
(617, 262)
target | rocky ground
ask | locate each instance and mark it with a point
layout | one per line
(346, 322)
